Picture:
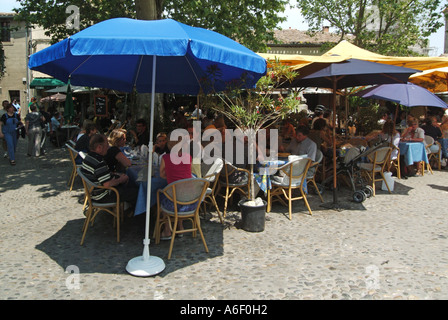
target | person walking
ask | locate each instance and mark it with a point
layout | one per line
(33, 128)
(8, 131)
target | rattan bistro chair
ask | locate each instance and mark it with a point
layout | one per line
(311, 173)
(378, 162)
(114, 208)
(233, 179)
(73, 154)
(395, 161)
(293, 176)
(211, 174)
(433, 155)
(182, 201)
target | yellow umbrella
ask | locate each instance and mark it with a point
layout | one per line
(297, 61)
(345, 48)
(435, 80)
(304, 64)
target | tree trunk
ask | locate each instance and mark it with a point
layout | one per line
(149, 10)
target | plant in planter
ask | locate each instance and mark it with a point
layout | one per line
(251, 110)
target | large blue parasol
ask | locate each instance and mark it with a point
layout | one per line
(118, 54)
(162, 56)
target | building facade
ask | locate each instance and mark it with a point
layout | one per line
(13, 84)
(19, 42)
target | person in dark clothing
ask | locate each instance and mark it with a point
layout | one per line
(432, 129)
(46, 127)
(141, 137)
(84, 141)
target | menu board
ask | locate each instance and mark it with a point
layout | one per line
(101, 106)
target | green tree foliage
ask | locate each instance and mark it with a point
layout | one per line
(52, 15)
(397, 24)
(247, 21)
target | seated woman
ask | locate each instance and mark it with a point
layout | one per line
(161, 147)
(173, 167)
(444, 140)
(322, 136)
(391, 135)
(115, 158)
(414, 134)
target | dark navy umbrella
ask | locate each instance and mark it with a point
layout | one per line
(353, 73)
(162, 56)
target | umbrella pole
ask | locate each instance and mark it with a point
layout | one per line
(335, 205)
(147, 265)
(335, 198)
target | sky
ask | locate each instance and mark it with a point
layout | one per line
(294, 21)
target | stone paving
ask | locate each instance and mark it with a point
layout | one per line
(392, 246)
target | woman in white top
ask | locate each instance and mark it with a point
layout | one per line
(391, 135)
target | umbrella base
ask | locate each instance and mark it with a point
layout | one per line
(334, 206)
(140, 267)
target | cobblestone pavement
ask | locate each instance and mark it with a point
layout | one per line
(392, 246)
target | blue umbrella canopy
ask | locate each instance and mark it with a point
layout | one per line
(118, 54)
(406, 94)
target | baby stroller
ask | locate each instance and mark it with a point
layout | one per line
(347, 165)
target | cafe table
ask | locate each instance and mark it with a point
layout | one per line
(268, 168)
(138, 174)
(69, 128)
(413, 151)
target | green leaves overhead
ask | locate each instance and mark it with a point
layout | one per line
(52, 15)
(254, 108)
(249, 22)
(388, 27)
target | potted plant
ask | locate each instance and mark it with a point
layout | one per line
(251, 110)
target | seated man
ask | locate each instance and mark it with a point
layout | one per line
(302, 144)
(97, 171)
(141, 137)
(56, 135)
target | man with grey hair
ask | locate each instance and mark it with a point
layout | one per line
(302, 144)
